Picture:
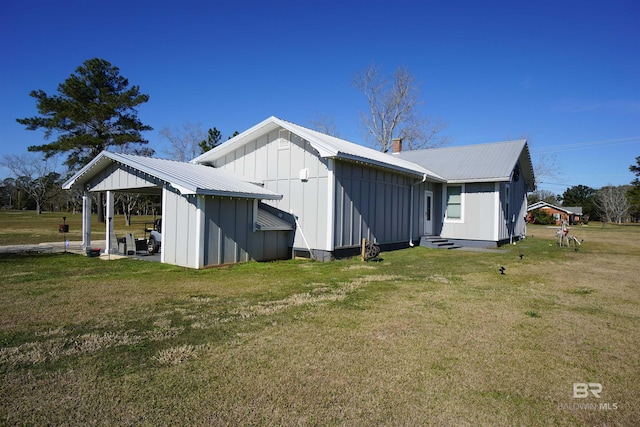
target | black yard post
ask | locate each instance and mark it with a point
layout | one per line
(64, 233)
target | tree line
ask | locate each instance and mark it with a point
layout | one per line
(95, 109)
(610, 203)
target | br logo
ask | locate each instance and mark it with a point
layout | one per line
(582, 390)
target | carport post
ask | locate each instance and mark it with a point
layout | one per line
(86, 220)
(109, 221)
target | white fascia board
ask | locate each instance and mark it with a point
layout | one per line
(388, 166)
(323, 149)
(183, 190)
(71, 182)
(471, 180)
(238, 195)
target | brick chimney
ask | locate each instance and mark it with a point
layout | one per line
(396, 145)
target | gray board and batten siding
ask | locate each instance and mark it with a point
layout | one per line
(205, 231)
(276, 159)
(375, 204)
(337, 202)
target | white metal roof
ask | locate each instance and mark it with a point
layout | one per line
(267, 221)
(476, 163)
(188, 178)
(327, 146)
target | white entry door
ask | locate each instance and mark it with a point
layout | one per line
(428, 213)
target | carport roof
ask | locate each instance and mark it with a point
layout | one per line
(188, 178)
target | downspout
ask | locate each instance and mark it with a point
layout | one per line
(424, 179)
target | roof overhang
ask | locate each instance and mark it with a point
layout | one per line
(187, 178)
(418, 174)
(527, 168)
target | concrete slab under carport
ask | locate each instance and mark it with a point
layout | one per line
(74, 247)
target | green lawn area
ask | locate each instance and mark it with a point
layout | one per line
(27, 227)
(422, 337)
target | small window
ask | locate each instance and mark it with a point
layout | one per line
(454, 202)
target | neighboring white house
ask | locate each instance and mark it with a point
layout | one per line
(316, 195)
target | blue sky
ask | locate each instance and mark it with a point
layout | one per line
(563, 73)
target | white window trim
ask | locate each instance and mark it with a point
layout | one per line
(462, 203)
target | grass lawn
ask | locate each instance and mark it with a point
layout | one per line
(423, 337)
(27, 227)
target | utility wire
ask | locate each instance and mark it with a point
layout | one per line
(584, 145)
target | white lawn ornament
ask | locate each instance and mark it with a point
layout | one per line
(562, 235)
(571, 238)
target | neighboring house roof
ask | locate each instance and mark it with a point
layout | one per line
(476, 163)
(326, 145)
(188, 178)
(576, 210)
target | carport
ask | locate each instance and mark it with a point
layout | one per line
(209, 216)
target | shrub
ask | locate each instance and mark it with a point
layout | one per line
(540, 216)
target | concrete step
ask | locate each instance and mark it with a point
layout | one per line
(437, 242)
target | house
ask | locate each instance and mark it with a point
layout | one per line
(279, 190)
(571, 214)
(340, 192)
(484, 198)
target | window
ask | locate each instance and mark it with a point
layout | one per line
(454, 202)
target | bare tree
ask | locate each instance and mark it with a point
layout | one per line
(545, 165)
(394, 104)
(325, 124)
(184, 142)
(129, 202)
(545, 168)
(613, 203)
(73, 200)
(35, 175)
(542, 196)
